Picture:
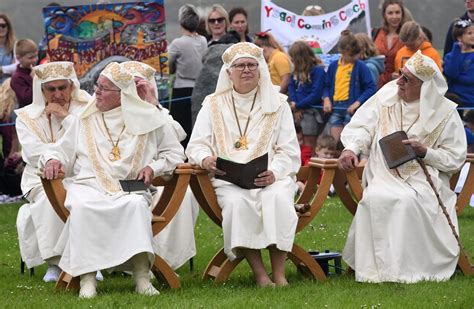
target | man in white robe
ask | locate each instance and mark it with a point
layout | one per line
(57, 100)
(399, 232)
(245, 118)
(175, 243)
(119, 136)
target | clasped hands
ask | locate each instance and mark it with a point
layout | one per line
(54, 167)
(263, 179)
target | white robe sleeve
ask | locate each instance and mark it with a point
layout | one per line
(449, 152)
(32, 146)
(359, 133)
(64, 150)
(170, 152)
(200, 143)
(287, 157)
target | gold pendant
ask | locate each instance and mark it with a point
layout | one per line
(114, 154)
(241, 144)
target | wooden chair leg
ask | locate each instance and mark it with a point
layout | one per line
(302, 259)
(465, 265)
(22, 266)
(220, 267)
(161, 269)
(67, 282)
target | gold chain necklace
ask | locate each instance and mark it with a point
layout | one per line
(401, 119)
(114, 154)
(242, 144)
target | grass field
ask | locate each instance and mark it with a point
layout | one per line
(327, 231)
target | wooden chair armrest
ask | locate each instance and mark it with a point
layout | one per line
(172, 196)
(203, 191)
(468, 188)
(56, 194)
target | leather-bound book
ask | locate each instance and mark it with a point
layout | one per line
(395, 152)
(242, 174)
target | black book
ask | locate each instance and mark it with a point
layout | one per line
(133, 185)
(242, 174)
(394, 151)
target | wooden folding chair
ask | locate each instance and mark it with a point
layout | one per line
(348, 187)
(164, 211)
(220, 267)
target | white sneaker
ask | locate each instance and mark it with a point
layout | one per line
(88, 290)
(98, 276)
(144, 287)
(88, 286)
(52, 274)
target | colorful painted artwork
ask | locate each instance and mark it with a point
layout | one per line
(89, 34)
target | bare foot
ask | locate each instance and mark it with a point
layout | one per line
(265, 282)
(281, 282)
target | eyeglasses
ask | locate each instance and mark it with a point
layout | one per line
(53, 89)
(102, 88)
(242, 66)
(216, 20)
(405, 78)
(3, 26)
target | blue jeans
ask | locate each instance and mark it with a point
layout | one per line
(340, 117)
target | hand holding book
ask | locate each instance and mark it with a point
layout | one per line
(250, 175)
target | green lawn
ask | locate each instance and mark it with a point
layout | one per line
(327, 232)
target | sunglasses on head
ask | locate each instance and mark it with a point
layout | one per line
(216, 20)
(3, 26)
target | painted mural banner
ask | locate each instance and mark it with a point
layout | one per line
(90, 34)
(321, 32)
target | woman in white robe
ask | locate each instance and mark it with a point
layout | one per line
(399, 232)
(245, 118)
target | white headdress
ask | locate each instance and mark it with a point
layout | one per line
(267, 91)
(143, 70)
(50, 72)
(139, 116)
(434, 107)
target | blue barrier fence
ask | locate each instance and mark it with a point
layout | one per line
(165, 101)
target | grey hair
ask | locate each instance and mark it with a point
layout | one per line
(188, 17)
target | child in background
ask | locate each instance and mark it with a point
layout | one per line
(326, 148)
(459, 63)
(370, 56)
(414, 39)
(306, 151)
(348, 84)
(305, 90)
(279, 63)
(22, 79)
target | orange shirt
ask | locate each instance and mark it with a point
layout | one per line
(426, 49)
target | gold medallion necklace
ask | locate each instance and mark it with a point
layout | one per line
(114, 154)
(241, 143)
